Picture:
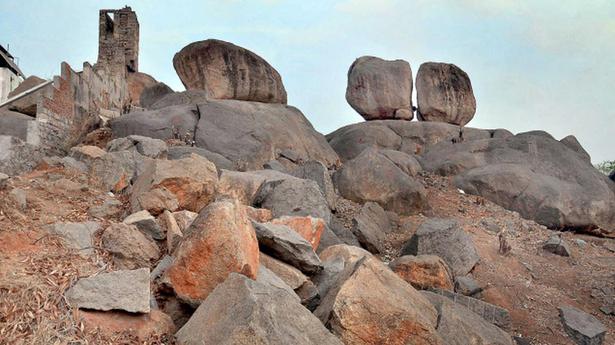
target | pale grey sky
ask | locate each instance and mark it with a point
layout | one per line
(537, 64)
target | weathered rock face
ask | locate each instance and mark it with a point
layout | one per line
(227, 71)
(583, 328)
(316, 171)
(249, 134)
(290, 275)
(379, 89)
(407, 163)
(242, 312)
(148, 147)
(192, 181)
(137, 82)
(286, 245)
(220, 241)
(444, 238)
(129, 248)
(309, 228)
(371, 226)
(154, 93)
(572, 143)
(458, 325)
(179, 152)
(423, 271)
(146, 223)
(123, 290)
(181, 98)
(293, 197)
(79, 236)
(371, 176)
(532, 174)
(115, 171)
(173, 122)
(371, 305)
(409, 137)
(444, 94)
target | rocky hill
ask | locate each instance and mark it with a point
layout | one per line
(219, 215)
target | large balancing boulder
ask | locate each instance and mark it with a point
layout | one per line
(444, 94)
(372, 176)
(380, 89)
(227, 71)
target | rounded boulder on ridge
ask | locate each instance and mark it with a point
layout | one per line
(380, 89)
(228, 71)
(444, 94)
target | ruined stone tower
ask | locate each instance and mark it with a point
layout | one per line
(118, 40)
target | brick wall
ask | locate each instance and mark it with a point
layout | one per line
(69, 108)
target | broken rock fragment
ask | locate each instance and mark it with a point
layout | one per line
(123, 290)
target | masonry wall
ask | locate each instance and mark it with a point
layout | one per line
(69, 108)
(118, 40)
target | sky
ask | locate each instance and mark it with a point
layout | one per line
(536, 64)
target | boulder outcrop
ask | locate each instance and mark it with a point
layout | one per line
(406, 136)
(249, 134)
(379, 89)
(444, 94)
(533, 174)
(371, 176)
(227, 71)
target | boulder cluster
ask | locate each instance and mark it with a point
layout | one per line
(244, 225)
(381, 90)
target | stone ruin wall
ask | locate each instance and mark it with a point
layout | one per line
(73, 105)
(118, 40)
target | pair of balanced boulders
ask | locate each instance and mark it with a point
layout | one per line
(379, 89)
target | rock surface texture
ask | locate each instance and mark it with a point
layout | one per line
(408, 137)
(458, 325)
(220, 241)
(423, 271)
(532, 174)
(244, 312)
(583, 328)
(371, 176)
(249, 134)
(444, 94)
(444, 238)
(123, 290)
(227, 71)
(369, 304)
(379, 89)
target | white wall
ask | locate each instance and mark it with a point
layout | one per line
(8, 82)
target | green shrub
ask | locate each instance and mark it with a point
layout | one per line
(606, 167)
